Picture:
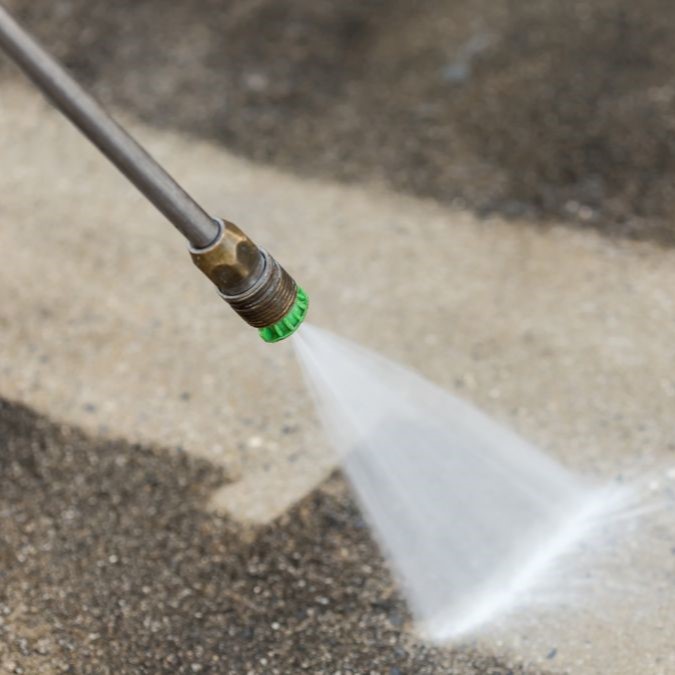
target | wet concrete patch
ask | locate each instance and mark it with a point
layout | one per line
(110, 564)
(530, 109)
(574, 102)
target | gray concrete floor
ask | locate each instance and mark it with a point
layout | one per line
(111, 564)
(537, 110)
(177, 513)
(562, 334)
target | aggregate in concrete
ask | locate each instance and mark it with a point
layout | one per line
(110, 564)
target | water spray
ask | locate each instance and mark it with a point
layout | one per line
(247, 277)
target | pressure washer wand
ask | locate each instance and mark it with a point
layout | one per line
(246, 276)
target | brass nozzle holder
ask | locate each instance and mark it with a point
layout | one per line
(247, 277)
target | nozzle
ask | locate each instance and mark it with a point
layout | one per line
(248, 278)
(253, 283)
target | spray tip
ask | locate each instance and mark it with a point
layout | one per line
(286, 326)
(253, 283)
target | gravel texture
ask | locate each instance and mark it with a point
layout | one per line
(110, 564)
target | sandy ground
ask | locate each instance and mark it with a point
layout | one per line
(563, 334)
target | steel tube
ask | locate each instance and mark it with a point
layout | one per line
(113, 141)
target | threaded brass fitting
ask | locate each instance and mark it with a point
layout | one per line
(247, 277)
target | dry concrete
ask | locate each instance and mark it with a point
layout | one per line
(564, 335)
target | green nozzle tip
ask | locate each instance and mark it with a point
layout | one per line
(290, 323)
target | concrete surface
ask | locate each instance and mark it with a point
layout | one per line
(535, 108)
(564, 335)
(110, 565)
